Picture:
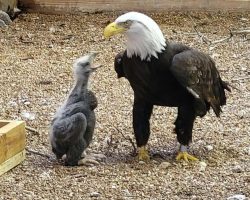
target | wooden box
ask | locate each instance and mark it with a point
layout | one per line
(12, 144)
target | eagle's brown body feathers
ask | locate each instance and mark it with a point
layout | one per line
(180, 77)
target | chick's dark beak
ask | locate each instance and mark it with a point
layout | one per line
(95, 67)
(92, 57)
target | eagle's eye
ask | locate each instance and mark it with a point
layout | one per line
(126, 24)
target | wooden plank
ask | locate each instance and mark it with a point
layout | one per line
(77, 6)
(12, 162)
(3, 123)
(12, 138)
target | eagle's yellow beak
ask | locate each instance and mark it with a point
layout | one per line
(112, 29)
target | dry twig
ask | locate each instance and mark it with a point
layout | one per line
(26, 41)
(32, 129)
(27, 58)
(246, 31)
(38, 153)
(223, 39)
(129, 139)
(205, 39)
(109, 143)
(241, 78)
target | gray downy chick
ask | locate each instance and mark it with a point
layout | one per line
(73, 125)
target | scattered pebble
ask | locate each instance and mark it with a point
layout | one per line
(141, 162)
(52, 29)
(209, 147)
(94, 194)
(164, 165)
(237, 169)
(214, 55)
(45, 175)
(2, 24)
(244, 19)
(27, 115)
(203, 166)
(5, 17)
(237, 197)
(26, 103)
(126, 192)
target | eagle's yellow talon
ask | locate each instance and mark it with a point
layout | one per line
(143, 154)
(185, 156)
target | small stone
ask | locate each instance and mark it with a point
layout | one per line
(5, 17)
(215, 55)
(244, 19)
(12, 103)
(209, 147)
(155, 161)
(141, 162)
(52, 29)
(45, 175)
(203, 166)
(164, 165)
(94, 194)
(2, 23)
(237, 169)
(26, 103)
(28, 116)
(126, 192)
(247, 150)
(237, 197)
(234, 56)
(241, 113)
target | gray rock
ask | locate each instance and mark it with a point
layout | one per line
(164, 165)
(2, 24)
(237, 197)
(5, 17)
(209, 147)
(94, 194)
(203, 166)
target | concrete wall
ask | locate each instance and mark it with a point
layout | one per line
(146, 5)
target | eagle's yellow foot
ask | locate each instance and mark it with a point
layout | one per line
(143, 154)
(185, 156)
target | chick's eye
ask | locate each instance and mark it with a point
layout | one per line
(87, 72)
(84, 64)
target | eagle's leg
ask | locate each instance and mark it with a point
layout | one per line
(141, 115)
(183, 128)
(183, 154)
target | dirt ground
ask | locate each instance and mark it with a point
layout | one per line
(36, 56)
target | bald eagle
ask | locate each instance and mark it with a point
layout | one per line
(165, 73)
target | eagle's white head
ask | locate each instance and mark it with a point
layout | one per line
(144, 37)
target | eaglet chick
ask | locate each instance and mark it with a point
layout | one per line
(73, 125)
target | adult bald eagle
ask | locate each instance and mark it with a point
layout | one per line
(165, 74)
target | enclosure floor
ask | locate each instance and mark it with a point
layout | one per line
(36, 56)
